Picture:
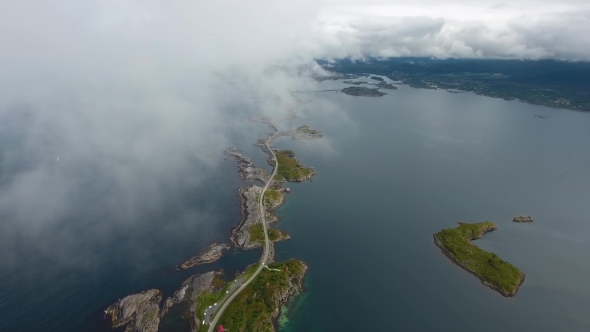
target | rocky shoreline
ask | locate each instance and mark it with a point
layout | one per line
(141, 312)
(296, 288)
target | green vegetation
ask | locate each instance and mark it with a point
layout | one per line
(271, 196)
(253, 308)
(205, 299)
(250, 270)
(257, 234)
(553, 83)
(491, 269)
(307, 130)
(289, 168)
(362, 92)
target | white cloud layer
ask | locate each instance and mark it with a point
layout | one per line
(131, 95)
(531, 29)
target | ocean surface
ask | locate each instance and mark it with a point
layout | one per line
(391, 172)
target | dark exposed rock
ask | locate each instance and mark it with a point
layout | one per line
(249, 203)
(189, 291)
(248, 171)
(140, 312)
(210, 254)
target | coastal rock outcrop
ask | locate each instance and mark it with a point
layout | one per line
(191, 289)
(140, 312)
(210, 254)
(247, 170)
(523, 219)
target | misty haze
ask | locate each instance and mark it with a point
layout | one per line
(290, 166)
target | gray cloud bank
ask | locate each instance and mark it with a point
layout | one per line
(108, 110)
(131, 96)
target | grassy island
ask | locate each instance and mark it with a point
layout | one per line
(493, 271)
(362, 91)
(256, 306)
(289, 168)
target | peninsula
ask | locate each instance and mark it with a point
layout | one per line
(252, 300)
(257, 306)
(493, 271)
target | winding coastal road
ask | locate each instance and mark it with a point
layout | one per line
(266, 250)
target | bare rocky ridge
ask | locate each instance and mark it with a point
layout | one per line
(247, 170)
(140, 312)
(249, 197)
(210, 254)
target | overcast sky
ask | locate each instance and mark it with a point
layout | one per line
(133, 94)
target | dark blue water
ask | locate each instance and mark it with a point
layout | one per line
(402, 167)
(391, 172)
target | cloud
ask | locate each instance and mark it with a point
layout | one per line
(109, 109)
(520, 29)
(132, 95)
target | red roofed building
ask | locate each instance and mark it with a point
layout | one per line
(220, 328)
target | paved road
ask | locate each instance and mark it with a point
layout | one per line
(266, 240)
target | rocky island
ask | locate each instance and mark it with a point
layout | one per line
(210, 254)
(303, 132)
(523, 219)
(493, 271)
(362, 92)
